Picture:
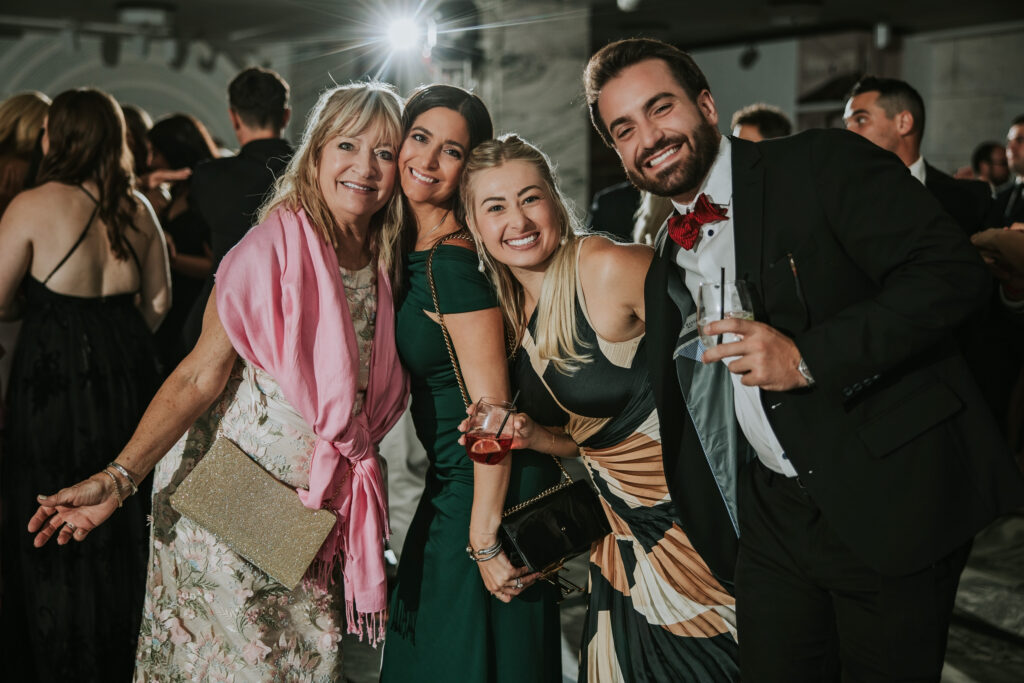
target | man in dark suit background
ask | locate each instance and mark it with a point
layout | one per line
(842, 436)
(228, 192)
(1008, 207)
(760, 121)
(891, 114)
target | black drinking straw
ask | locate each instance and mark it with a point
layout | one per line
(723, 301)
(509, 412)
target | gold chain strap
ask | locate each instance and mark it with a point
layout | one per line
(464, 234)
(566, 480)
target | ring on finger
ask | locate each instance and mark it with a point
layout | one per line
(519, 583)
(71, 526)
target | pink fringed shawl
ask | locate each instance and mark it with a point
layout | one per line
(281, 300)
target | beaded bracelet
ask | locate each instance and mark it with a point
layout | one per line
(117, 486)
(124, 473)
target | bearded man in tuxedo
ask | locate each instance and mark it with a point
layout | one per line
(841, 438)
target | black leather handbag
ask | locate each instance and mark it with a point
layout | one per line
(544, 532)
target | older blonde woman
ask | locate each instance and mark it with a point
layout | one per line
(284, 369)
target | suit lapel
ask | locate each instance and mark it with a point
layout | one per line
(663, 324)
(748, 214)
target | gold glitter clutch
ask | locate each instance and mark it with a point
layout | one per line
(257, 516)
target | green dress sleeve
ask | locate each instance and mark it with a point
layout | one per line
(461, 287)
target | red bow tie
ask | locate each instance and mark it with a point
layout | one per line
(684, 230)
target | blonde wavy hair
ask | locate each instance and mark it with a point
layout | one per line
(21, 119)
(557, 337)
(349, 109)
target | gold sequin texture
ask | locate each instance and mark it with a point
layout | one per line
(257, 516)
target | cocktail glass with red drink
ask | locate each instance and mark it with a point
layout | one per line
(484, 442)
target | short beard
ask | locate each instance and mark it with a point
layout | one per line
(686, 176)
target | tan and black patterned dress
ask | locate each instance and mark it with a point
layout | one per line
(655, 612)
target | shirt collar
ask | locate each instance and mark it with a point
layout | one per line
(717, 184)
(918, 170)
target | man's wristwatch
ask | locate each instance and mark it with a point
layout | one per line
(803, 370)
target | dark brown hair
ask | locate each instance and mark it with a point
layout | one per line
(769, 120)
(478, 123)
(609, 61)
(87, 142)
(894, 96)
(260, 98)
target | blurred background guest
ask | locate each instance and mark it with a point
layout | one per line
(228, 192)
(890, 113)
(1008, 207)
(180, 141)
(87, 254)
(137, 123)
(988, 164)
(761, 121)
(21, 124)
(612, 210)
(21, 119)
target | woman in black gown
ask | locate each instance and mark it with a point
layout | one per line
(83, 264)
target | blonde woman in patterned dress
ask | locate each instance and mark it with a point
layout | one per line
(576, 305)
(297, 365)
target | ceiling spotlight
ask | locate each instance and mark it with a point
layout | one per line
(628, 5)
(403, 34)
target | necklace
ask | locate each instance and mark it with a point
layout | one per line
(443, 219)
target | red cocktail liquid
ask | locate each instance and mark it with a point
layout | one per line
(487, 448)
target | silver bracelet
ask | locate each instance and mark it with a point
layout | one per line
(484, 554)
(124, 473)
(117, 486)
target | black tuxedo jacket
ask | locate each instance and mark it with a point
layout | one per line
(967, 201)
(850, 256)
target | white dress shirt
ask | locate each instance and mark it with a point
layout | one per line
(918, 170)
(716, 249)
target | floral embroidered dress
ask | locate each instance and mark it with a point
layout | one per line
(209, 615)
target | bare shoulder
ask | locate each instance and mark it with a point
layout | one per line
(605, 260)
(31, 208)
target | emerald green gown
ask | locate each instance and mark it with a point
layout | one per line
(443, 624)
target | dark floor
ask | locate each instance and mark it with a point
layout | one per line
(986, 639)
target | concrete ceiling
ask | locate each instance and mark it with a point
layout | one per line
(243, 24)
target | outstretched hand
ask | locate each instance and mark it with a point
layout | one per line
(73, 512)
(764, 356)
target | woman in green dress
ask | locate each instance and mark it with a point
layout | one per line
(451, 618)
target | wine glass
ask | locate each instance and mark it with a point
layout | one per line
(484, 443)
(715, 303)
